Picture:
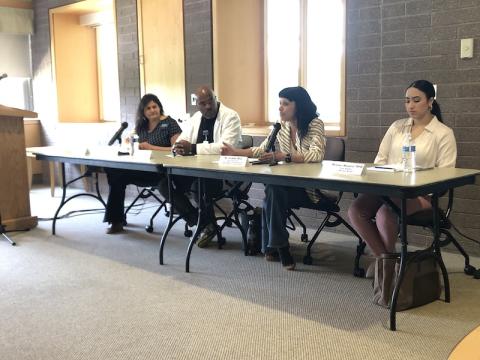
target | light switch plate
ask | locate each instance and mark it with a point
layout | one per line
(466, 49)
(193, 99)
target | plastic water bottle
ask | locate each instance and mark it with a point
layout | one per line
(413, 151)
(408, 154)
(133, 143)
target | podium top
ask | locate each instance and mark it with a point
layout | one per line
(9, 111)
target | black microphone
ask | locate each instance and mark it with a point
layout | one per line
(3, 76)
(118, 134)
(273, 137)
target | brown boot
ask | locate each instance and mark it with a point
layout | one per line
(115, 228)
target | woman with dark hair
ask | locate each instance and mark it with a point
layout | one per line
(302, 140)
(156, 131)
(435, 147)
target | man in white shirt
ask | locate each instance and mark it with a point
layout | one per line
(211, 126)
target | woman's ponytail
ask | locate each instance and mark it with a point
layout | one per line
(436, 110)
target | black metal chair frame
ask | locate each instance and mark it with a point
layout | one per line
(237, 195)
(239, 198)
(240, 205)
(335, 150)
(144, 194)
(150, 192)
(425, 219)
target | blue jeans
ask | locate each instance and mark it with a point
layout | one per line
(278, 200)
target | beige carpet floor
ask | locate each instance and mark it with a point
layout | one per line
(85, 295)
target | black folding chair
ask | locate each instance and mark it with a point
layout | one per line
(237, 192)
(424, 219)
(335, 151)
(150, 192)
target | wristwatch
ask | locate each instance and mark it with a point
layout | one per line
(288, 158)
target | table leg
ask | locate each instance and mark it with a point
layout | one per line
(436, 246)
(170, 218)
(64, 193)
(403, 263)
(200, 226)
(51, 168)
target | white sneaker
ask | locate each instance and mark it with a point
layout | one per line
(206, 236)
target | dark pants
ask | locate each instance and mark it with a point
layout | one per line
(182, 185)
(278, 200)
(118, 179)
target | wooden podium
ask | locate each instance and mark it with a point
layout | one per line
(14, 190)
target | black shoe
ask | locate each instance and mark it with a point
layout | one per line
(191, 218)
(115, 228)
(286, 258)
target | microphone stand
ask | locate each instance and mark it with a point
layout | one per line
(3, 232)
(273, 162)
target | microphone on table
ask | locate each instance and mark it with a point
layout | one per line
(118, 134)
(3, 76)
(271, 145)
(273, 137)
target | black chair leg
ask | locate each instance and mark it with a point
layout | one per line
(307, 259)
(304, 236)
(149, 228)
(357, 270)
(468, 269)
(142, 195)
(476, 274)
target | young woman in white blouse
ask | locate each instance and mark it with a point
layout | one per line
(435, 147)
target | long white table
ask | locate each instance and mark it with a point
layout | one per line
(94, 158)
(399, 185)
(386, 184)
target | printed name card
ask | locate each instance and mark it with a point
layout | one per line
(233, 160)
(143, 154)
(342, 167)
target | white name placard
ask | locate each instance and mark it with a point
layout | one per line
(342, 167)
(233, 160)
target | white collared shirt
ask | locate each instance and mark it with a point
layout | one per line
(435, 146)
(227, 129)
(311, 146)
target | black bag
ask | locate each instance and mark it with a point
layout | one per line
(252, 224)
(420, 284)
